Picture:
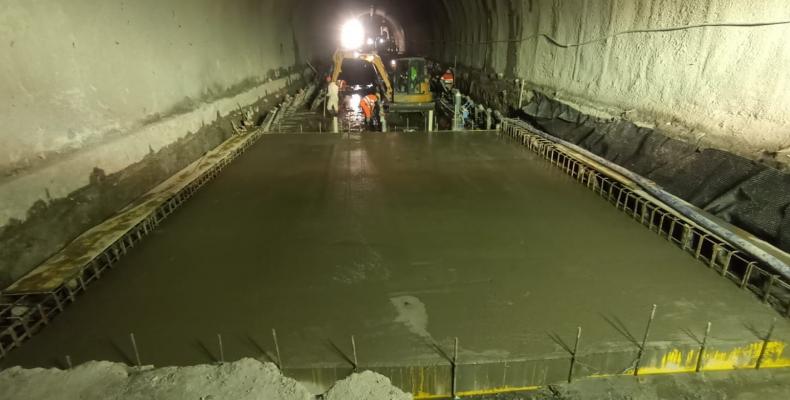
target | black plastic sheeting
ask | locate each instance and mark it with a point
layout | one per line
(749, 195)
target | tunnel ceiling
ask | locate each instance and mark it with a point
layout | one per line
(318, 20)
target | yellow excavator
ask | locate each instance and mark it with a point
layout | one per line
(411, 91)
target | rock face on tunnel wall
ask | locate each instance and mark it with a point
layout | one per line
(745, 193)
(723, 87)
(101, 100)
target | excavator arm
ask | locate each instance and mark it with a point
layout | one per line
(373, 59)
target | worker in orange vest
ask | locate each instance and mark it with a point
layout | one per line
(448, 79)
(368, 106)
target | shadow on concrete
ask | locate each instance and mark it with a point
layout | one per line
(438, 349)
(264, 355)
(555, 337)
(206, 351)
(332, 346)
(123, 355)
(620, 327)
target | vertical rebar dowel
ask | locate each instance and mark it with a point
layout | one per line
(644, 341)
(455, 370)
(68, 362)
(277, 349)
(354, 352)
(221, 349)
(334, 124)
(301, 128)
(702, 348)
(575, 351)
(134, 347)
(430, 121)
(768, 286)
(457, 117)
(43, 314)
(765, 344)
(320, 127)
(746, 275)
(521, 94)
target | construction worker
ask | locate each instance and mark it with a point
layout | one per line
(448, 79)
(332, 93)
(368, 106)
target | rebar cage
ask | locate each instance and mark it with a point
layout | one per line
(705, 246)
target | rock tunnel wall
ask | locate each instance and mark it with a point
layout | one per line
(102, 100)
(724, 86)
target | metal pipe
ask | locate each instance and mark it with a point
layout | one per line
(455, 370)
(575, 352)
(354, 352)
(765, 344)
(457, 118)
(277, 349)
(644, 341)
(134, 347)
(702, 348)
(221, 349)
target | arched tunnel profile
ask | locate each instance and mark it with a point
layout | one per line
(387, 23)
(394, 199)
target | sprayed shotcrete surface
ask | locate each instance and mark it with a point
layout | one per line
(722, 87)
(401, 240)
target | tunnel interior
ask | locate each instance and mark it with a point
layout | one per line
(450, 209)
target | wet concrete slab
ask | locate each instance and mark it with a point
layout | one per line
(402, 240)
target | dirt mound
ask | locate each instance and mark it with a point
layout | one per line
(246, 379)
(366, 386)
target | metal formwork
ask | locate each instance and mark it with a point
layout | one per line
(710, 249)
(22, 314)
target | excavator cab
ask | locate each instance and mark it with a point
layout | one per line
(411, 85)
(412, 89)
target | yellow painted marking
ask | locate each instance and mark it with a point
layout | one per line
(421, 395)
(745, 357)
(674, 361)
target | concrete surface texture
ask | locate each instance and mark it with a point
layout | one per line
(246, 379)
(405, 241)
(91, 90)
(722, 86)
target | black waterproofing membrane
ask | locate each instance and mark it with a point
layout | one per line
(747, 194)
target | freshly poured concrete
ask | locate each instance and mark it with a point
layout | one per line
(400, 240)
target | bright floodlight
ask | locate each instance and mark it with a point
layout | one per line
(352, 35)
